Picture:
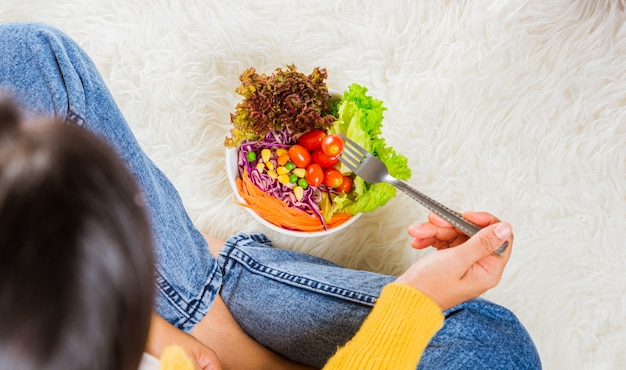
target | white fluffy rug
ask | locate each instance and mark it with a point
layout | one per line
(514, 107)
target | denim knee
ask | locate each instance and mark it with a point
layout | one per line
(34, 70)
(479, 334)
(298, 305)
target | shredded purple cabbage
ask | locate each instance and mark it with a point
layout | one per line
(275, 140)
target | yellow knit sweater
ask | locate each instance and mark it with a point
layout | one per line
(392, 336)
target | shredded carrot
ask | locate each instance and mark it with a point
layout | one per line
(279, 213)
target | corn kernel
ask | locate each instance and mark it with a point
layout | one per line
(298, 192)
(281, 151)
(300, 172)
(283, 179)
(282, 170)
(270, 166)
(260, 167)
(272, 174)
(266, 154)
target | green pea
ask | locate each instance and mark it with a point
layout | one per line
(293, 178)
(290, 166)
(303, 183)
(251, 156)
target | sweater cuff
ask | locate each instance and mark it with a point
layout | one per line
(395, 333)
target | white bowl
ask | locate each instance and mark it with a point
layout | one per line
(232, 171)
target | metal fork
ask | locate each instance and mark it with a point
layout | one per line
(373, 170)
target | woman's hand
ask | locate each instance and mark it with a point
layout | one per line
(440, 234)
(453, 275)
(163, 334)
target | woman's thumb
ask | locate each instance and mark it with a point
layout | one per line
(487, 241)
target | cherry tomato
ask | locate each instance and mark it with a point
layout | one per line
(332, 145)
(323, 159)
(299, 155)
(314, 174)
(311, 140)
(332, 177)
(346, 185)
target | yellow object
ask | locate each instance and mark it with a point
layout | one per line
(283, 179)
(272, 174)
(270, 166)
(265, 155)
(281, 151)
(282, 170)
(298, 192)
(300, 172)
(260, 167)
(394, 335)
(174, 358)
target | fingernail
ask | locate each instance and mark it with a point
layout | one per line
(502, 231)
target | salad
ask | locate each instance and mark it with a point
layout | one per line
(287, 129)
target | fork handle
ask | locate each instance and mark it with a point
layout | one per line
(453, 217)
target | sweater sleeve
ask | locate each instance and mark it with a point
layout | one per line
(395, 333)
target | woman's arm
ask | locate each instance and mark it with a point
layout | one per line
(409, 311)
(395, 333)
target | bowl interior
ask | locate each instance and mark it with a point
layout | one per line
(232, 172)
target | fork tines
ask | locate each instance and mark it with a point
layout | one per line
(352, 155)
(354, 145)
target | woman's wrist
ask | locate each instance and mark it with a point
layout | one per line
(159, 330)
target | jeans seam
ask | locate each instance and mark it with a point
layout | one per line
(191, 309)
(172, 295)
(235, 254)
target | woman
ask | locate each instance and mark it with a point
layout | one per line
(208, 295)
(88, 263)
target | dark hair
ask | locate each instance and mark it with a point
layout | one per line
(76, 262)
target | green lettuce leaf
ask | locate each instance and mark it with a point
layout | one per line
(360, 117)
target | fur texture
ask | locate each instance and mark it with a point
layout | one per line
(515, 107)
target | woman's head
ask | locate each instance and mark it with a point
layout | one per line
(76, 263)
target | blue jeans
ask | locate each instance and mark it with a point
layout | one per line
(300, 306)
